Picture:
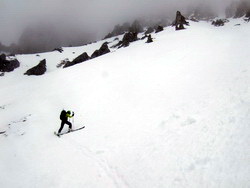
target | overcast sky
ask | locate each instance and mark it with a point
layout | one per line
(94, 16)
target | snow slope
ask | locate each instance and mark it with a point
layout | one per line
(172, 113)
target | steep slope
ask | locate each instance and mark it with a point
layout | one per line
(172, 113)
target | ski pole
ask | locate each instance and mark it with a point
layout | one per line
(73, 119)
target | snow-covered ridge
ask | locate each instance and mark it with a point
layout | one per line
(172, 113)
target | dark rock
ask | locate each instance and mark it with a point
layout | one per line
(62, 63)
(149, 39)
(219, 22)
(58, 49)
(81, 58)
(145, 36)
(149, 30)
(8, 65)
(180, 21)
(2, 57)
(40, 69)
(104, 49)
(127, 38)
(159, 29)
(95, 54)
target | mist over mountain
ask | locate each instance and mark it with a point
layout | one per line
(34, 26)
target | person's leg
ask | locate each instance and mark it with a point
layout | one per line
(70, 125)
(62, 124)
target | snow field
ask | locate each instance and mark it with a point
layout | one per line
(173, 113)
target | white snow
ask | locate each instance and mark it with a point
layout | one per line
(172, 113)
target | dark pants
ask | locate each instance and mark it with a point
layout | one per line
(62, 125)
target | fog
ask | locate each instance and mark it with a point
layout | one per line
(84, 20)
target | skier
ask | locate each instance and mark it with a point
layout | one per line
(64, 117)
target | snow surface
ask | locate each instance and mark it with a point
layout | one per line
(172, 113)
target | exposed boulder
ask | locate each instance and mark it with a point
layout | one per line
(219, 22)
(149, 39)
(180, 21)
(127, 38)
(95, 54)
(158, 29)
(58, 49)
(145, 36)
(81, 58)
(62, 63)
(104, 49)
(8, 65)
(40, 69)
(2, 57)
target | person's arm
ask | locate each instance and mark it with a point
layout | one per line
(69, 116)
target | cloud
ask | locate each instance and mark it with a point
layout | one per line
(84, 16)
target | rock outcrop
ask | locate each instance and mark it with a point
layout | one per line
(128, 38)
(58, 49)
(180, 21)
(104, 49)
(8, 65)
(149, 39)
(38, 70)
(219, 22)
(81, 58)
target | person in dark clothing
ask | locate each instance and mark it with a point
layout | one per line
(64, 117)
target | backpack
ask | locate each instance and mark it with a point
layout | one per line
(62, 115)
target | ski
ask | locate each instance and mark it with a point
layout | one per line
(2, 132)
(73, 130)
(55, 133)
